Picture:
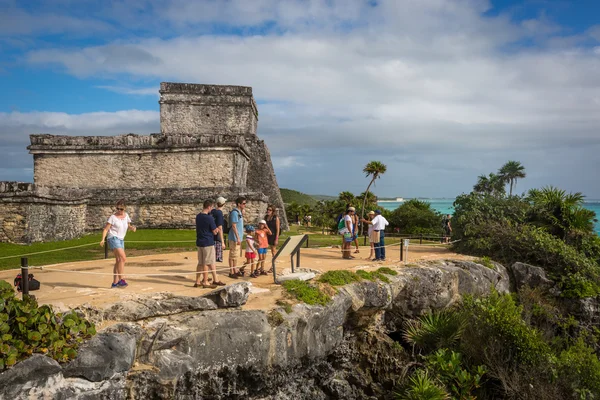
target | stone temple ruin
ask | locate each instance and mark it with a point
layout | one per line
(207, 147)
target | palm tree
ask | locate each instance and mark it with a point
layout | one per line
(370, 197)
(560, 213)
(374, 169)
(510, 172)
(482, 185)
(293, 211)
(346, 197)
(492, 184)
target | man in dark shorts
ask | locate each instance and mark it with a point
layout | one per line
(205, 241)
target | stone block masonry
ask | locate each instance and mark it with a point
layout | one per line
(207, 148)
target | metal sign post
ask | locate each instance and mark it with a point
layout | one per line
(405, 243)
(24, 277)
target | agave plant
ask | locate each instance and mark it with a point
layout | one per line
(435, 330)
(423, 387)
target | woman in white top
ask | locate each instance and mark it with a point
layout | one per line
(116, 228)
(371, 215)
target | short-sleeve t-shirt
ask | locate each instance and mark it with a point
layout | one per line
(249, 244)
(348, 218)
(118, 226)
(237, 221)
(205, 225)
(263, 241)
(219, 221)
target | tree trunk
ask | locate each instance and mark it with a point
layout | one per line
(362, 214)
(511, 187)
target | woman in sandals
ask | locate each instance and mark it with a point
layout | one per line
(116, 229)
(274, 226)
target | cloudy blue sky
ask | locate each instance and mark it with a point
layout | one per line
(441, 91)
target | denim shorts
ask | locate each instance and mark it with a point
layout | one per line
(115, 243)
(262, 251)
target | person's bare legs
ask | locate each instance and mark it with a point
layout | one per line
(213, 270)
(119, 268)
(372, 254)
(199, 268)
(232, 270)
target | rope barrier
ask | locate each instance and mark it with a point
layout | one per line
(50, 251)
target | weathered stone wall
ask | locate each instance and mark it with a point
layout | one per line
(261, 176)
(168, 208)
(167, 215)
(31, 215)
(50, 222)
(207, 109)
(142, 170)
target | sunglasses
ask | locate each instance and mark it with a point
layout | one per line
(244, 203)
(120, 209)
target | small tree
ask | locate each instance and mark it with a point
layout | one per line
(374, 169)
(510, 172)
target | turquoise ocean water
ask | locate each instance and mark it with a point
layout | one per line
(445, 207)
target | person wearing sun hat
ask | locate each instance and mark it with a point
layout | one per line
(372, 237)
(217, 214)
(263, 245)
(379, 224)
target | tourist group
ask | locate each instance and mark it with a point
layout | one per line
(210, 230)
(348, 227)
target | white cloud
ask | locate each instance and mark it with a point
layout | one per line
(148, 91)
(429, 85)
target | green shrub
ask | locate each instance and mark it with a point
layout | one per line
(26, 328)
(434, 330)
(423, 387)
(305, 292)
(579, 367)
(339, 277)
(460, 382)
(372, 276)
(415, 217)
(486, 262)
(496, 324)
(577, 285)
(387, 271)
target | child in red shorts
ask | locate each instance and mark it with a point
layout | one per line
(250, 251)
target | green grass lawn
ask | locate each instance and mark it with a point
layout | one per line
(164, 241)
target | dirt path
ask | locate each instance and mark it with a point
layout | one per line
(88, 282)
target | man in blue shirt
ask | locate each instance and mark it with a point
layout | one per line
(236, 234)
(205, 231)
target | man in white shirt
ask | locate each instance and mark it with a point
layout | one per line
(379, 224)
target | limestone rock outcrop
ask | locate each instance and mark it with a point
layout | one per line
(312, 354)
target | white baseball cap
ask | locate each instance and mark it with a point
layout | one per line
(221, 200)
(262, 221)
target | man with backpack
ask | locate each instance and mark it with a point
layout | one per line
(217, 214)
(346, 231)
(236, 233)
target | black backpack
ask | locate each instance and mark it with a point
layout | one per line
(34, 284)
(227, 223)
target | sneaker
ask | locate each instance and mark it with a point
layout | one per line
(114, 285)
(122, 283)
